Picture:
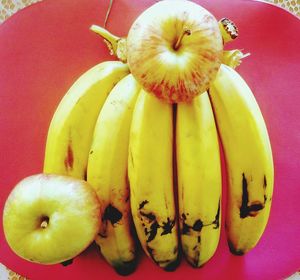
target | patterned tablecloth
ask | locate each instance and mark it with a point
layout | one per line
(10, 7)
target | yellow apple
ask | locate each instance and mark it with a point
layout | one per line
(174, 49)
(49, 219)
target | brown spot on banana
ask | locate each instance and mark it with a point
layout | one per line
(151, 225)
(168, 226)
(142, 204)
(253, 209)
(69, 159)
(171, 265)
(152, 232)
(198, 224)
(150, 216)
(112, 214)
(265, 187)
(216, 222)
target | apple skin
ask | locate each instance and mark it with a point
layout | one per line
(175, 75)
(49, 219)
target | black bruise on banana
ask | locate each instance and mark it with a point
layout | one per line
(142, 204)
(167, 226)
(198, 224)
(151, 233)
(253, 209)
(265, 186)
(171, 264)
(85, 174)
(216, 222)
(112, 214)
(150, 216)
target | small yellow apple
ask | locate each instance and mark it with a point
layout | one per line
(49, 219)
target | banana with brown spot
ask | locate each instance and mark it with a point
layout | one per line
(199, 179)
(107, 173)
(71, 129)
(150, 170)
(248, 156)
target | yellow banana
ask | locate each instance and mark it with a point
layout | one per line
(107, 173)
(199, 179)
(248, 158)
(150, 170)
(71, 129)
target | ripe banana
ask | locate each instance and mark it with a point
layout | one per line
(71, 129)
(199, 179)
(150, 170)
(248, 157)
(107, 173)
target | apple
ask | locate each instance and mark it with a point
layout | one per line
(174, 49)
(49, 219)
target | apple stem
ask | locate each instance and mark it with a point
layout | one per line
(185, 31)
(115, 44)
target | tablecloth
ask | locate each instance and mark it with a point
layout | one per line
(10, 7)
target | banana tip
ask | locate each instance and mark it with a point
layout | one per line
(234, 250)
(126, 268)
(172, 265)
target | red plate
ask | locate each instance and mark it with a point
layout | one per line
(45, 48)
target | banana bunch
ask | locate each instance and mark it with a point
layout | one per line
(144, 156)
(88, 138)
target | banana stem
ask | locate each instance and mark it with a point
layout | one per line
(228, 30)
(233, 58)
(109, 38)
(115, 44)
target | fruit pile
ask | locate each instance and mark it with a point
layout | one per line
(133, 138)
